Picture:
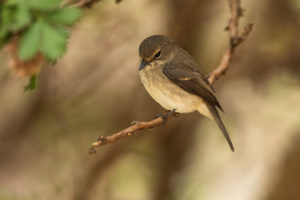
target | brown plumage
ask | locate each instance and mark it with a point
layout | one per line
(172, 78)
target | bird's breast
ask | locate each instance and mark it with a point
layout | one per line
(166, 93)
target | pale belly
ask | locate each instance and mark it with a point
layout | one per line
(171, 96)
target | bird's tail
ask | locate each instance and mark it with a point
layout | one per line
(214, 112)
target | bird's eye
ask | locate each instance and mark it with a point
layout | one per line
(157, 55)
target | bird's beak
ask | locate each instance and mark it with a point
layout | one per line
(143, 64)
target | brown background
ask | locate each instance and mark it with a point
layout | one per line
(95, 90)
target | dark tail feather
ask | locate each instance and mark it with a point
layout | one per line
(217, 118)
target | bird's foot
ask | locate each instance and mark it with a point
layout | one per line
(166, 115)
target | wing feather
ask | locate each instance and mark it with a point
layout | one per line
(192, 81)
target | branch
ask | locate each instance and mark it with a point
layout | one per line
(234, 40)
(131, 130)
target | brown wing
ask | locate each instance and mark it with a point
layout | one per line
(192, 81)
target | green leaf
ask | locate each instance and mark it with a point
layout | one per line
(64, 31)
(6, 20)
(22, 15)
(44, 4)
(15, 15)
(65, 16)
(32, 84)
(30, 41)
(54, 41)
(11, 2)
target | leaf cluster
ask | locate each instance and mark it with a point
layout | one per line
(41, 24)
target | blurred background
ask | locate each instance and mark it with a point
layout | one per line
(95, 90)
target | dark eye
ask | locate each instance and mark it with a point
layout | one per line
(157, 55)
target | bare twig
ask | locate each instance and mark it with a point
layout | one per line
(234, 40)
(136, 126)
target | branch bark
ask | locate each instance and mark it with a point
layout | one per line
(131, 130)
(235, 39)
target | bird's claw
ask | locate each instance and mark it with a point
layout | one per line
(166, 116)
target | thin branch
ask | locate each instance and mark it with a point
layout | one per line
(234, 40)
(131, 130)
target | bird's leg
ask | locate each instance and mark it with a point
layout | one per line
(166, 115)
(171, 112)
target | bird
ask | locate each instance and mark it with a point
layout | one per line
(172, 78)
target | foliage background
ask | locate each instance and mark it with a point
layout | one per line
(95, 90)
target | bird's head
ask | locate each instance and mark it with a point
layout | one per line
(156, 49)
